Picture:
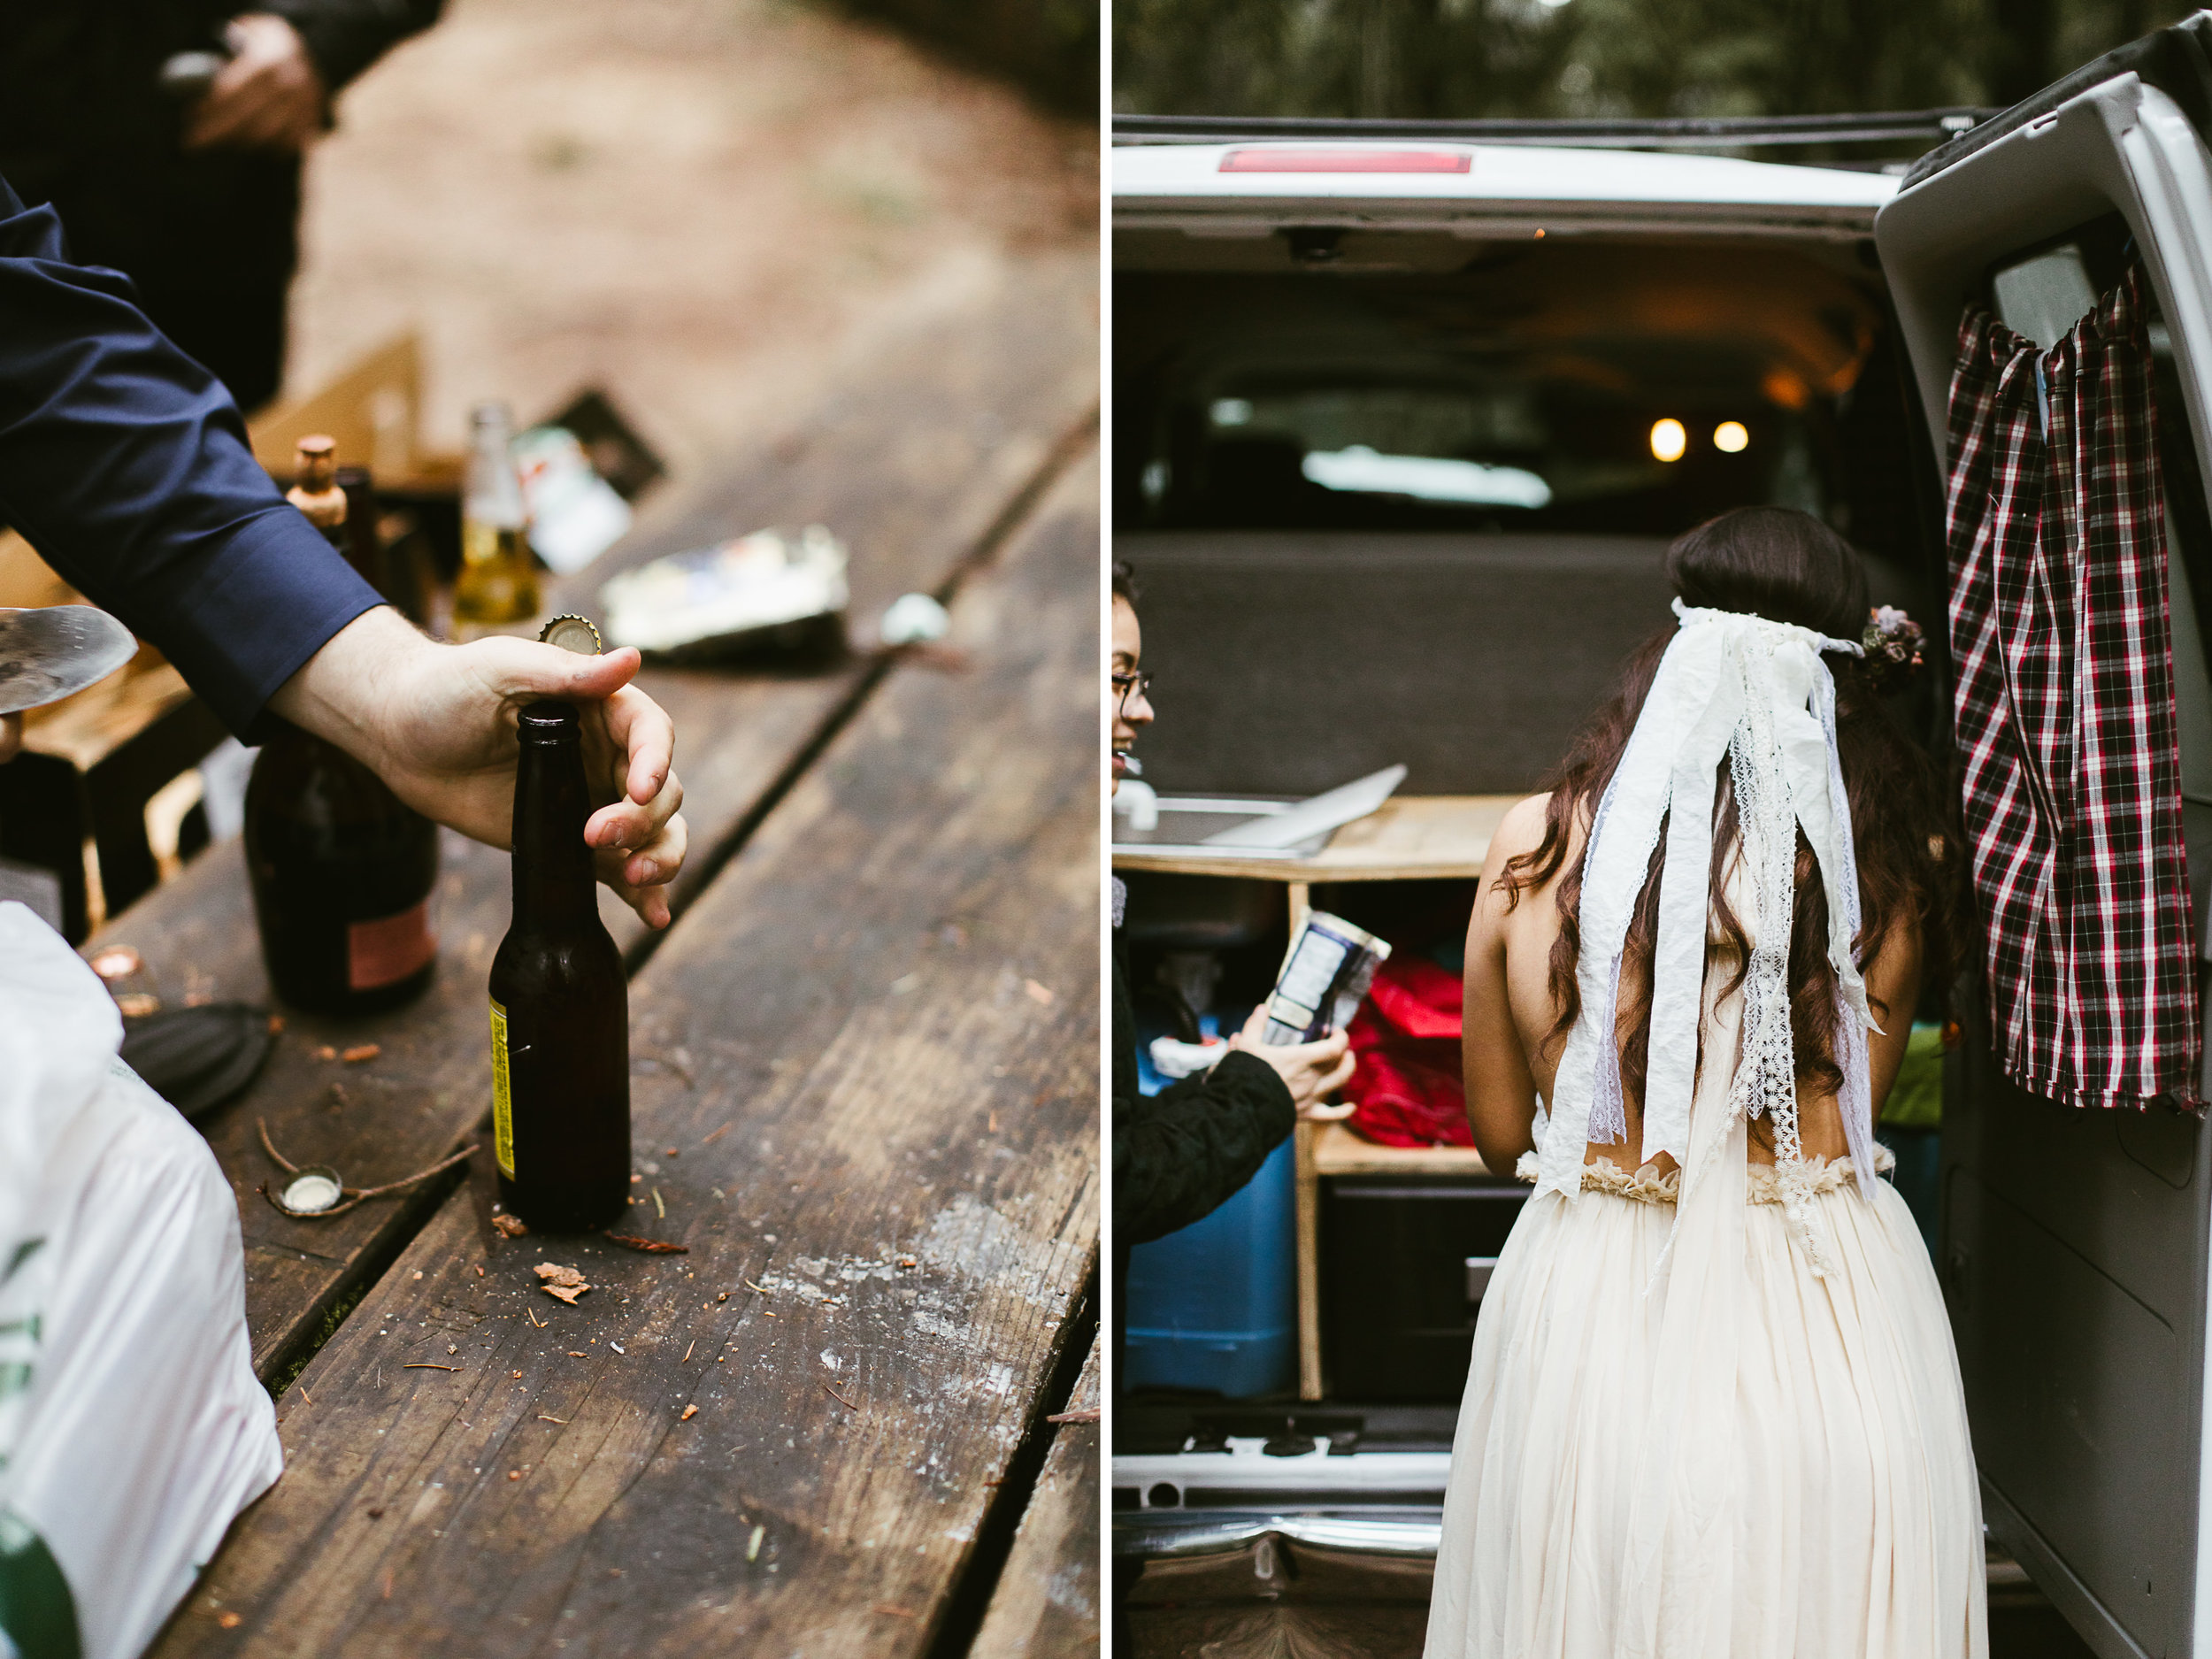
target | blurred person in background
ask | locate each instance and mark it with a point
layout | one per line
(1181, 1154)
(194, 195)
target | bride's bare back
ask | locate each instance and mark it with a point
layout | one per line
(1511, 1056)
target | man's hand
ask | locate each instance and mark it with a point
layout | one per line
(1311, 1070)
(437, 723)
(268, 96)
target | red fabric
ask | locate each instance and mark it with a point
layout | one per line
(1408, 1088)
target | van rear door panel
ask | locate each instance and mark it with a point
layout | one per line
(2067, 1267)
(2075, 1242)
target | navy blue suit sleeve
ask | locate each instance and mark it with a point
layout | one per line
(126, 465)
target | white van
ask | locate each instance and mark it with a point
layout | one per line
(1402, 417)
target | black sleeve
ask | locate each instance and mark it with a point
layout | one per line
(126, 465)
(1179, 1155)
(345, 36)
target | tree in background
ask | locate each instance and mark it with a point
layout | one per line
(1493, 58)
(1340, 56)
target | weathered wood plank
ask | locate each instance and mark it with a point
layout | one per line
(887, 1161)
(914, 463)
(917, 463)
(1047, 1604)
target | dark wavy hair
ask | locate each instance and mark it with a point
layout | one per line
(1789, 567)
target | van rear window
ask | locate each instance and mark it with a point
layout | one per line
(1568, 384)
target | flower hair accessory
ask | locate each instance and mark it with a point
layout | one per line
(1892, 643)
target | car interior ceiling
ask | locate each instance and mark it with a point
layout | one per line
(1572, 384)
(1336, 478)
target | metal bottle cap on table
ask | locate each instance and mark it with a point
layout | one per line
(310, 1191)
(48, 655)
(572, 634)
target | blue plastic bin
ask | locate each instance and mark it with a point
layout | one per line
(1215, 1307)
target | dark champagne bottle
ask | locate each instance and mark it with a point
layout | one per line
(395, 571)
(364, 545)
(560, 1011)
(342, 869)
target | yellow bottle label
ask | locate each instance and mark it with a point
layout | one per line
(502, 1116)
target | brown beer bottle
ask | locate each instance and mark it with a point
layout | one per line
(341, 870)
(560, 1011)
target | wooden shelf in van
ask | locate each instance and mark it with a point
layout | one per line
(1338, 1150)
(1408, 838)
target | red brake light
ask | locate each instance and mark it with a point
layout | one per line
(1345, 158)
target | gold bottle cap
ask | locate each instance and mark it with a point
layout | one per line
(572, 634)
(315, 493)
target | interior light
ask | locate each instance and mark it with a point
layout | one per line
(1668, 439)
(1729, 438)
(1786, 388)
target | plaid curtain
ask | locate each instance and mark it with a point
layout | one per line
(2065, 708)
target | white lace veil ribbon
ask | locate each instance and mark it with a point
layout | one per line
(1754, 692)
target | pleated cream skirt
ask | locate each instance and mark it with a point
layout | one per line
(1758, 1464)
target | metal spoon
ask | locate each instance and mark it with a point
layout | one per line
(47, 655)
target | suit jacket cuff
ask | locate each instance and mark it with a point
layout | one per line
(255, 607)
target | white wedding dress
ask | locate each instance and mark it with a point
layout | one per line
(1737, 1460)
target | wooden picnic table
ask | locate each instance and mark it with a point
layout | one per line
(865, 1095)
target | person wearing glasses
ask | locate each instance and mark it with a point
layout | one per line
(1180, 1154)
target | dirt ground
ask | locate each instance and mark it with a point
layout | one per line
(702, 206)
